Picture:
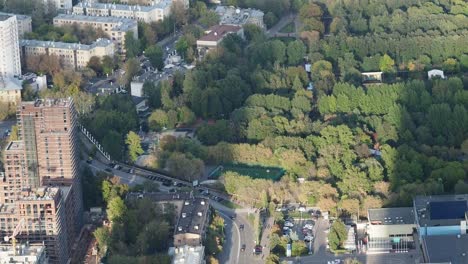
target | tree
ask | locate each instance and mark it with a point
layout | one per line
(116, 209)
(96, 65)
(155, 56)
(299, 248)
(108, 64)
(386, 63)
(102, 236)
(184, 167)
(132, 45)
(337, 235)
(132, 67)
(158, 120)
(296, 51)
(133, 142)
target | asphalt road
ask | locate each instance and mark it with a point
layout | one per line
(388, 258)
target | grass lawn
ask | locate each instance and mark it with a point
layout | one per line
(289, 28)
(256, 172)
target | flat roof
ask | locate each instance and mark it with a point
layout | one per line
(102, 42)
(15, 145)
(192, 217)
(18, 17)
(189, 255)
(230, 15)
(217, 32)
(123, 24)
(391, 216)
(445, 248)
(4, 16)
(123, 7)
(10, 84)
(443, 210)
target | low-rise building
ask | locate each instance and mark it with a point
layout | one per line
(23, 254)
(214, 36)
(435, 73)
(189, 255)
(445, 249)
(371, 77)
(114, 27)
(151, 13)
(192, 215)
(230, 15)
(140, 104)
(389, 227)
(24, 23)
(72, 55)
(10, 90)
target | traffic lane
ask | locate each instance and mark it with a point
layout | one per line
(320, 241)
(126, 178)
(390, 258)
(249, 239)
(232, 243)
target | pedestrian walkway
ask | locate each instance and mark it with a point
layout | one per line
(265, 240)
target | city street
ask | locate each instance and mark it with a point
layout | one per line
(387, 258)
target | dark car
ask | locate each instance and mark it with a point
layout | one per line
(89, 160)
(111, 164)
(233, 217)
(180, 184)
(258, 249)
(166, 183)
(172, 190)
(243, 247)
(108, 169)
(241, 227)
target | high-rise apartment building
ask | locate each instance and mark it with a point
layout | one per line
(41, 189)
(10, 63)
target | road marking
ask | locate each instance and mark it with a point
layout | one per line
(238, 234)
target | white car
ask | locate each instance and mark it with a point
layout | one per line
(288, 224)
(308, 238)
(308, 226)
(285, 228)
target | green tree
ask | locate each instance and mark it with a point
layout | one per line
(132, 45)
(102, 236)
(296, 51)
(386, 63)
(158, 120)
(133, 142)
(116, 209)
(337, 235)
(155, 56)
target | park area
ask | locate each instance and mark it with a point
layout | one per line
(256, 172)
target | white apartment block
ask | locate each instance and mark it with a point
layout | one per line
(114, 27)
(72, 56)
(24, 23)
(152, 13)
(10, 62)
(60, 4)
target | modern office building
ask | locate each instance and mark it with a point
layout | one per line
(24, 23)
(40, 192)
(114, 27)
(10, 62)
(229, 15)
(387, 228)
(72, 55)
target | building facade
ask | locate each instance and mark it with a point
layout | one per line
(214, 36)
(41, 189)
(114, 27)
(230, 15)
(59, 4)
(10, 90)
(10, 62)
(73, 56)
(24, 23)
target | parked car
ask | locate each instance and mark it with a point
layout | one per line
(108, 169)
(258, 249)
(308, 238)
(241, 227)
(243, 247)
(288, 224)
(89, 160)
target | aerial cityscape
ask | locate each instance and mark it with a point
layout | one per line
(234, 131)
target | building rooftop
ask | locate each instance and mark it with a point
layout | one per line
(25, 254)
(192, 217)
(15, 145)
(18, 16)
(4, 16)
(123, 24)
(230, 15)
(101, 42)
(10, 84)
(48, 102)
(218, 32)
(123, 7)
(441, 209)
(41, 193)
(189, 255)
(391, 216)
(445, 248)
